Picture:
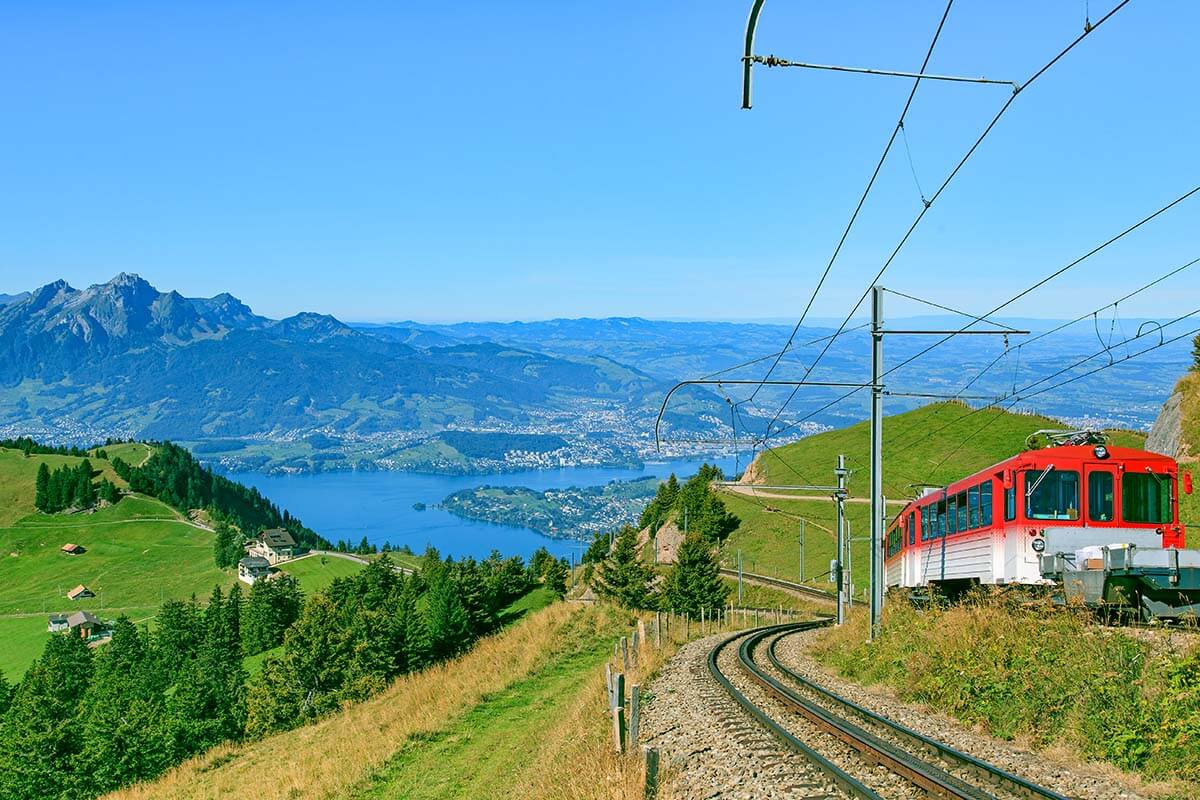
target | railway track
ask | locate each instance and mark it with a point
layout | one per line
(798, 588)
(848, 743)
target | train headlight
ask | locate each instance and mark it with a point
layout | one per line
(1101, 452)
(1038, 545)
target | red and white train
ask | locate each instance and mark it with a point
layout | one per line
(991, 527)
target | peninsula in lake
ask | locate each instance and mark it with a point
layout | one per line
(571, 513)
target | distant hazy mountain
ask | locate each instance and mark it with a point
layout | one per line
(124, 358)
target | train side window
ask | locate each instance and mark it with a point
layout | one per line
(962, 511)
(1100, 496)
(893, 542)
(925, 514)
(973, 507)
(941, 517)
(1010, 503)
(912, 527)
(952, 514)
(985, 504)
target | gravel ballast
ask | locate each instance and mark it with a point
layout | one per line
(713, 749)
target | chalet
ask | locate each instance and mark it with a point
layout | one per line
(80, 592)
(73, 549)
(85, 625)
(252, 568)
(275, 545)
(57, 622)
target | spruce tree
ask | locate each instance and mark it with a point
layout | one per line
(40, 736)
(623, 576)
(416, 633)
(221, 545)
(41, 498)
(449, 626)
(694, 583)
(125, 731)
(556, 576)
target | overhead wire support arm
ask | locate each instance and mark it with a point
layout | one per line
(728, 382)
(775, 61)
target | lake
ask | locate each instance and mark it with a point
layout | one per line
(379, 505)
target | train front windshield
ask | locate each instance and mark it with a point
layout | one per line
(1052, 494)
(1146, 498)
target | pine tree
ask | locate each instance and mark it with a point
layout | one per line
(623, 576)
(6, 692)
(695, 581)
(41, 499)
(1196, 352)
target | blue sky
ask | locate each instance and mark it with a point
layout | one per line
(447, 161)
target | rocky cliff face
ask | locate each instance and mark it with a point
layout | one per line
(1166, 435)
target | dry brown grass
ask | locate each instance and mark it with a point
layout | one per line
(579, 762)
(330, 757)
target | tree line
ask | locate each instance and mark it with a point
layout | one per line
(617, 571)
(174, 476)
(70, 488)
(83, 722)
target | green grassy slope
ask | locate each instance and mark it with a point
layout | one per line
(316, 572)
(18, 473)
(491, 751)
(935, 444)
(139, 553)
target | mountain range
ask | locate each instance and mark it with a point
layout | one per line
(124, 359)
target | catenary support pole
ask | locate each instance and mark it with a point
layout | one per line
(840, 496)
(876, 459)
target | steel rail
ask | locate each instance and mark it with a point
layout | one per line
(799, 588)
(977, 766)
(842, 779)
(872, 749)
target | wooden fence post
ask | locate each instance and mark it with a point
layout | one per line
(657, 629)
(608, 682)
(635, 709)
(650, 757)
(618, 713)
(634, 641)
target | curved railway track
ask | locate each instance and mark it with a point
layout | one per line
(848, 742)
(767, 580)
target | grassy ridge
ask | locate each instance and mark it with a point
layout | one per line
(935, 444)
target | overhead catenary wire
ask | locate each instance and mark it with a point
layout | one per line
(1019, 348)
(1033, 287)
(861, 200)
(933, 198)
(1072, 379)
